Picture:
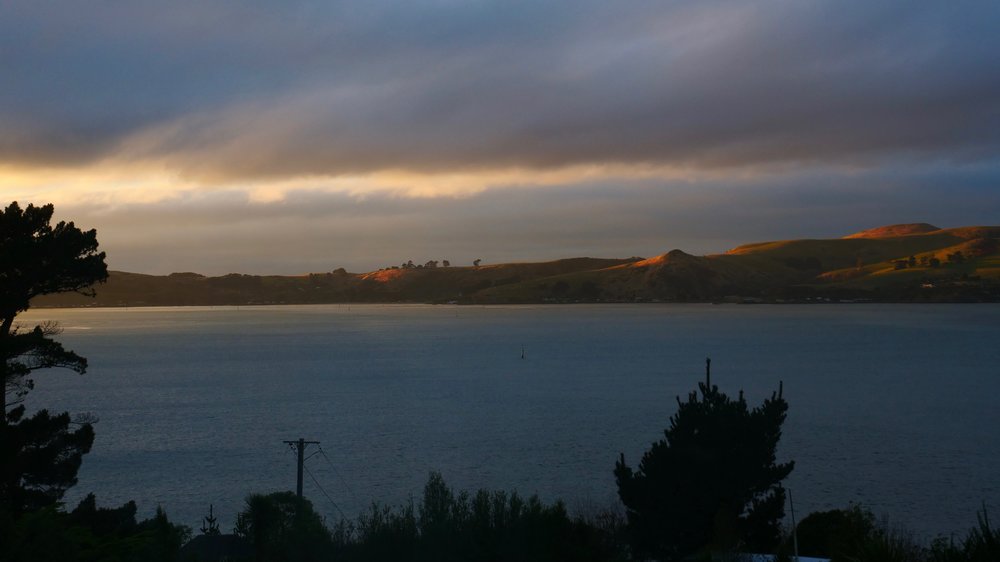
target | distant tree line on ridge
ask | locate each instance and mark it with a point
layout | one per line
(429, 264)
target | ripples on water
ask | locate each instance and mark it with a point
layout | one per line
(893, 406)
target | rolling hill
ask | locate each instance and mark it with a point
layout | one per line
(896, 263)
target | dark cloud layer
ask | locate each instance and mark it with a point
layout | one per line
(581, 127)
(250, 90)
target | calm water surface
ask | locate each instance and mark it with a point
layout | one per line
(892, 406)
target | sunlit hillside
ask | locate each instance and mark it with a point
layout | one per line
(914, 262)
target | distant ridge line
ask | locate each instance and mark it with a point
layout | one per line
(916, 262)
(893, 230)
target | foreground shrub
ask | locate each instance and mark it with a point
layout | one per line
(284, 527)
(853, 535)
(981, 544)
(485, 526)
(90, 534)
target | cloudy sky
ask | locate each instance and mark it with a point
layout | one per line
(297, 136)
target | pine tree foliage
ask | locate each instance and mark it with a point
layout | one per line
(39, 458)
(712, 483)
(29, 351)
(37, 258)
(210, 524)
(39, 454)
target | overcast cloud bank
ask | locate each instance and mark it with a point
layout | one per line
(359, 133)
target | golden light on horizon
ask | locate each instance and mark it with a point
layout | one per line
(113, 184)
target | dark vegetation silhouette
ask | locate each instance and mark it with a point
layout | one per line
(456, 526)
(855, 535)
(209, 523)
(444, 526)
(40, 454)
(39, 259)
(712, 484)
(284, 527)
(89, 533)
(825, 534)
(981, 544)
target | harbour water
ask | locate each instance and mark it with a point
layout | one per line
(891, 406)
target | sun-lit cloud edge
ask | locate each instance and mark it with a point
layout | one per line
(116, 185)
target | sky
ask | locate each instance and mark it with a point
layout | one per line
(302, 136)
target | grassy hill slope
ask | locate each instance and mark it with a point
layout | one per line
(923, 263)
(914, 262)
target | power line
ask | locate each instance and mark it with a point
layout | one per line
(309, 472)
(337, 472)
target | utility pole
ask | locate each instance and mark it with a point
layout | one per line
(795, 530)
(301, 446)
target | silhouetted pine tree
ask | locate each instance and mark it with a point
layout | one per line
(40, 454)
(712, 483)
(209, 524)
